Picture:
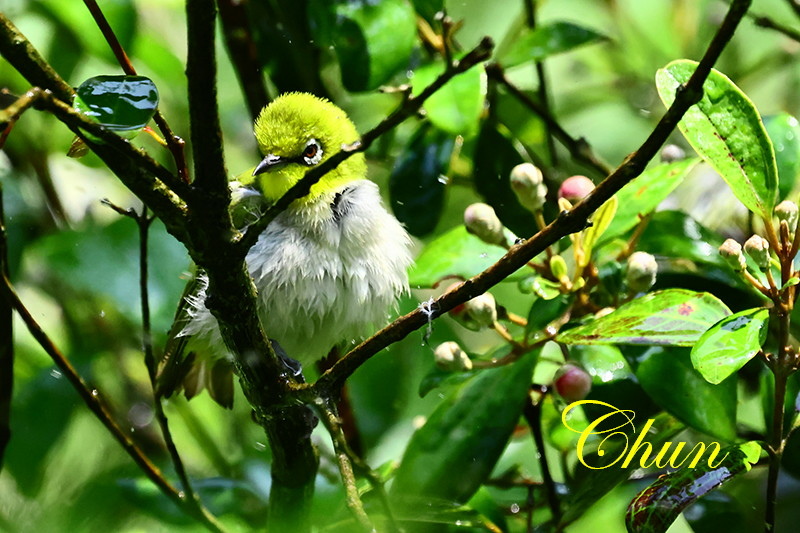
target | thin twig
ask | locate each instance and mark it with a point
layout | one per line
(579, 149)
(795, 6)
(93, 400)
(533, 415)
(175, 144)
(408, 108)
(566, 223)
(766, 22)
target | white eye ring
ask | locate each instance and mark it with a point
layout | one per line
(312, 153)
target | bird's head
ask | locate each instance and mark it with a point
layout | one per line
(297, 132)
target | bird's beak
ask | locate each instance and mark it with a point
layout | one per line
(269, 162)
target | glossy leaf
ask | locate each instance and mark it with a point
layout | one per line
(675, 317)
(656, 507)
(667, 375)
(600, 222)
(642, 195)
(495, 156)
(123, 104)
(547, 40)
(465, 435)
(543, 311)
(726, 131)
(455, 253)
(730, 343)
(457, 106)
(416, 184)
(373, 41)
(784, 131)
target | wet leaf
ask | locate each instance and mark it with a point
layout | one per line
(656, 507)
(463, 438)
(725, 129)
(674, 317)
(123, 104)
(730, 343)
(547, 40)
(784, 131)
(416, 184)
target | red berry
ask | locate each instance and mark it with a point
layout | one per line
(575, 188)
(572, 383)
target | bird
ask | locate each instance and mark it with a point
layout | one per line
(327, 268)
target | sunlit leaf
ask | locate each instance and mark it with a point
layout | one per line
(600, 222)
(656, 507)
(674, 317)
(730, 343)
(726, 131)
(547, 40)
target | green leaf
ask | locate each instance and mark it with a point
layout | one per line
(123, 104)
(667, 375)
(543, 311)
(730, 343)
(547, 40)
(600, 222)
(726, 131)
(373, 41)
(784, 132)
(427, 9)
(495, 156)
(452, 454)
(455, 253)
(541, 287)
(657, 506)
(675, 317)
(642, 195)
(416, 184)
(456, 107)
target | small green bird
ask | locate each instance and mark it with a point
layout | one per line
(326, 268)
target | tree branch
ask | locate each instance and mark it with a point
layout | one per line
(567, 222)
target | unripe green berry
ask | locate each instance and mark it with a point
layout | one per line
(731, 251)
(450, 357)
(558, 267)
(572, 383)
(481, 220)
(527, 184)
(575, 188)
(787, 210)
(641, 273)
(757, 248)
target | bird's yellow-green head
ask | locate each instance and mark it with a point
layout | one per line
(297, 132)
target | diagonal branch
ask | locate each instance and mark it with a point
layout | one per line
(567, 222)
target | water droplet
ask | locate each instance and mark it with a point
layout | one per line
(55, 373)
(182, 495)
(260, 446)
(102, 314)
(95, 393)
(514, 508)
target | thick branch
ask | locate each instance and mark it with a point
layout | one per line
(566, 223)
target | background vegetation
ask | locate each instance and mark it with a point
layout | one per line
(75, 261)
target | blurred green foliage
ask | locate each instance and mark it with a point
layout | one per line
(75, 262)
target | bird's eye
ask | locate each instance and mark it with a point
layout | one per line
(312, 153)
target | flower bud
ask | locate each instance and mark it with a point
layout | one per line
(731, 251)
(757, 248)
(671, 153)
(641, 273)
(482, 310)
(575, 188)
(526, 182)
(481, 220)
(572, 383)
(558, 267)
(450, 357)
(787, 210)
